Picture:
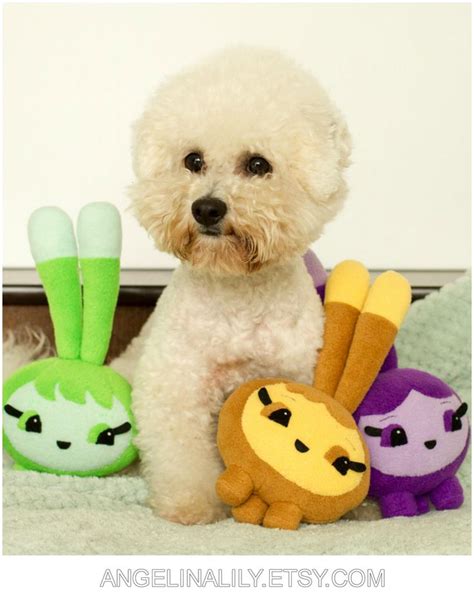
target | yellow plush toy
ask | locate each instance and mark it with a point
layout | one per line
(293, 452)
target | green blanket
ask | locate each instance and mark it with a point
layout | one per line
(46, 514)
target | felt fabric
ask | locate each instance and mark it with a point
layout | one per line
(389, 297)
(251, 511)
(60, 278)
(415, 403)
(71, 414)
(373, 337)
(262, 456)
(391, 361)
(319, 277)
(423, 468)
(101, 282)
(339, 328)
(71, 399)
(348, 283)
(355, 346)
(46, 514)
(99, 231)
(51, 235)
(315, 269)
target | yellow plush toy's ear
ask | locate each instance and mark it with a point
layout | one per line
(377, 326)
(346, 291)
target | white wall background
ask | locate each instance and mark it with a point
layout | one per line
(76, 76)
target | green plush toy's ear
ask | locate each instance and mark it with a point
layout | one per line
(53, 247)
(99, 236)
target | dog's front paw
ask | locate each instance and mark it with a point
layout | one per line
(190, 513)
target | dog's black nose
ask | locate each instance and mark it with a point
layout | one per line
(430, 444)
(208, 210)
(62, 444)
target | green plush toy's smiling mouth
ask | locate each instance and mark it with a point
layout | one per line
(62, 444)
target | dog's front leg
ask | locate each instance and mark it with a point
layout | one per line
(177, 443)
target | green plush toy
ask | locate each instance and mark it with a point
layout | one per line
(71, 414)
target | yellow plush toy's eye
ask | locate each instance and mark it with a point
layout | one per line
(281, 416)
(343, 465)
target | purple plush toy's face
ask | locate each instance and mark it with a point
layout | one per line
(420, 436)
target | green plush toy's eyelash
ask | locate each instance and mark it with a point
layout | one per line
(29, 421)
(104, 434)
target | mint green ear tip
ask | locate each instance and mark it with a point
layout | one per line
(99, 231)
(51, 235)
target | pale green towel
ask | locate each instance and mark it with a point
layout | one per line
(45, 514)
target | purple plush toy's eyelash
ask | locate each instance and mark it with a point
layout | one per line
(452, 419)
(391, 436)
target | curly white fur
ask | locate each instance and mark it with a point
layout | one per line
(241, 305)
(22, 347)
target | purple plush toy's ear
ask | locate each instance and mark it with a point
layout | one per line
(391, 361)
(316, 271)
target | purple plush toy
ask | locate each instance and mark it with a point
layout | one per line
(417, 434)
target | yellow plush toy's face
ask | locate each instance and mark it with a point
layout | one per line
(303, 441)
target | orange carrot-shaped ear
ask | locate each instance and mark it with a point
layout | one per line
(382, 315)
(346, 291)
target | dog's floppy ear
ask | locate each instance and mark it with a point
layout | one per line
(341, 138)
(147, 152)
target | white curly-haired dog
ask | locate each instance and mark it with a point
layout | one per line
(239, 164)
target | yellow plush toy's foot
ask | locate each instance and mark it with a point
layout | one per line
(251, 511)
(234, 486)
(283, 515)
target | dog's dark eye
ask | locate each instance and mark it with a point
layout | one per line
(194, 162)
(33, 424)
(281, 416)
(398, 437)
(257, 165)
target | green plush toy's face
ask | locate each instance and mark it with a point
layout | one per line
(62, 435)
(47, 428)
